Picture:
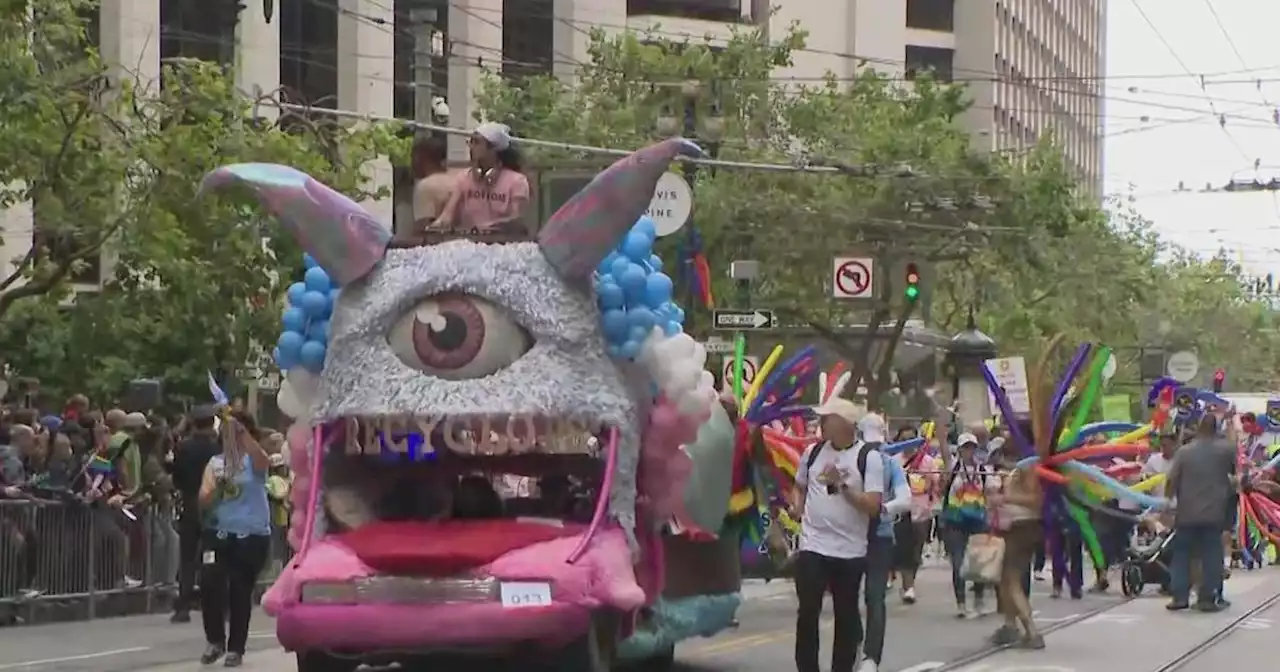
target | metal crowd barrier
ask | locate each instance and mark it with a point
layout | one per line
(62, 561)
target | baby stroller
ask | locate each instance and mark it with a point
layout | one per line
(1147, 561)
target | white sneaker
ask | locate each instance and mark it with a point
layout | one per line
(909, 596)
(868, 666)
(1038, 575)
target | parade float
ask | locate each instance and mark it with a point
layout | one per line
(425, 380)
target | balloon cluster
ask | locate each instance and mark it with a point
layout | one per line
(305, 338)
(677, 365)
(634, 295)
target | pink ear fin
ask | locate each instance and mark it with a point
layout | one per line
(341, 235)
(592, 223)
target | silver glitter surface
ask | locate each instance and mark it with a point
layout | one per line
(567, 374)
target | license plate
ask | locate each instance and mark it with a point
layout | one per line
(518, 594)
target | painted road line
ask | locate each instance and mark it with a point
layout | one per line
(72, 659)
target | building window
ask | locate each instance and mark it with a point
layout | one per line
(309, 52)
(932, 15)
(198, 29)
(527, 27)
(937, 60)
(727, 11)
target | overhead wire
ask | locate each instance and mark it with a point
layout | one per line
(1199, 79)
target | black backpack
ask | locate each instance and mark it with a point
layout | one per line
(873, 526)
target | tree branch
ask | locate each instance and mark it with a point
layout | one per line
(21, 269)
(46, 284)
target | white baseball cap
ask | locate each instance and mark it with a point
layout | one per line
(873, 428)
(843, 408)
(498, 135)
(966, 438)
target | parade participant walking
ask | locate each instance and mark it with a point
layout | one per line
(1016, 518)
(911, 532)
(964, 514)
(189, 463)
(1201, 481)
(897, 503)
(838, 495)
(233, 494)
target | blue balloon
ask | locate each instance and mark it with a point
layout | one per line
(619, 267)
(642, 318)
(615, 351)
(311, 356)
(294, 319)
(316, 305)
(677, 314)
(275, 357)
(655, 263)
(647, 227)
(658, 288)
(632, 282)
(308, 261)
(606, 267)
(296, 290)
(317, 280)
(615, 326)
(630, 349)
(609, 295)
(639, 334)
(318, 330)
(333, 296)
(673, 328)
(637, 247)
(290, 344)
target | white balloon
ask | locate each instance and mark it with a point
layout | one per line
(707, 381)
(287, 400)
(305, 383)
(682, 345)
(648, 349)
(699, 357)
(684, 380)
(692, 403)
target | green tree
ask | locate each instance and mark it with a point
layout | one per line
(195, 284)
(910, 187)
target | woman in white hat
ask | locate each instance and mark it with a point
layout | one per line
(491, 196)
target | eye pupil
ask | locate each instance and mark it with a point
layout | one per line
(448, 332)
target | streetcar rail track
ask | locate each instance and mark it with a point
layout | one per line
(1219, 636)
(983, 654)
(1174, 664)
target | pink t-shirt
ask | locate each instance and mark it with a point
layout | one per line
(482, 204)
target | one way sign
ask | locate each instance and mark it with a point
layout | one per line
(744, 319)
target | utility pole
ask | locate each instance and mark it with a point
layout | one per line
(423, 28)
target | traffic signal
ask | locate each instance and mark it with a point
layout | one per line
(913, 282)
(1219, 379)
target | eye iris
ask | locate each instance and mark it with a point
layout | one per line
(449, 335)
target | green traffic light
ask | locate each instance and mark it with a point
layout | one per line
(913, 293)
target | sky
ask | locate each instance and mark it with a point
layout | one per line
(1163, 126)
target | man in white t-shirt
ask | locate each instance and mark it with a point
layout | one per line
(838, 494)
(1161, 461)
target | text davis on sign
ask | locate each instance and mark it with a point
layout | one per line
(671, 204)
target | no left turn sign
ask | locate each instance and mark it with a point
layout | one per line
(749, 367)
(853, 278)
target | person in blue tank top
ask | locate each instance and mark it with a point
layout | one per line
(237, 537)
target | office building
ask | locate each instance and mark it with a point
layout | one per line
(1033, 66)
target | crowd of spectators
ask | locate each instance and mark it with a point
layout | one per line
(88, 499)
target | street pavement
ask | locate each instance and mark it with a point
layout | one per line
(1097, 634)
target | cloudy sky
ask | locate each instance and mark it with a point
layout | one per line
(1173, 77)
